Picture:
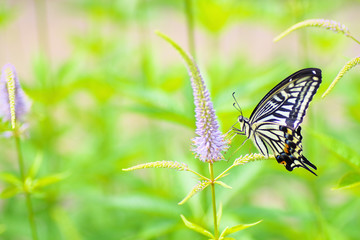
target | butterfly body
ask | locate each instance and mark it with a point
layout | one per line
(275, 121)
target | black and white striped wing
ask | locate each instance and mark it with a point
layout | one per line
(285, 144)
(287, 102)
(276, 119)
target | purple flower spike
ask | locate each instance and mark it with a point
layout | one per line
(210, 142)
(13, 102)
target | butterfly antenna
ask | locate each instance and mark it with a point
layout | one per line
(236, 104)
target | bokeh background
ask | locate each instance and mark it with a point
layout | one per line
(107, 93)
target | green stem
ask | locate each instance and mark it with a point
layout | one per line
(355, 39)
(224, 172)
(27, 195)
(216, 230)
(198, 174)
(190, 26)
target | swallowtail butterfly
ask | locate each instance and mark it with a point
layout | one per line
(275, 121)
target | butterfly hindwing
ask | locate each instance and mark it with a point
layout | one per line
(284, 142)
(292, 156)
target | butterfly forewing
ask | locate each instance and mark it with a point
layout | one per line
(287, 102)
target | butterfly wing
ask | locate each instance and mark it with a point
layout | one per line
(276, 119)
(285, 144)
(287, 102)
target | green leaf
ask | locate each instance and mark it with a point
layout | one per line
(342, 150)
(214, 15)
(237, 228)
(48, 180)
(2, 228)
(10, 192)
(196, 227)
(10, 178)
(349, 180)
(65, 224)
(34, 169)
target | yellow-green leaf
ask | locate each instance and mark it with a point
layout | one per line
(237, 228)
(48, 180)
(341, 149)
(35, 166)
(214, 15)
(196, 227)
(10, 178)
(2, 228)
(10, 192)
(349, 180)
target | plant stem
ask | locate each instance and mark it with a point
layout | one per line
(216, 230)
(224, 172)
(190, 26)
(27, 195)
(355, 39)
(199, 175)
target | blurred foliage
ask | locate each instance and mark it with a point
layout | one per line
(117, 101)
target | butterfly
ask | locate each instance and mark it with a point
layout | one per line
(275, 121)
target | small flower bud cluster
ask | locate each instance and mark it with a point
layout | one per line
(322, 23)
(160, 164)
(250, 157)
(329, 24)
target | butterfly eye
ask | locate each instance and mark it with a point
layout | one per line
(241, 119)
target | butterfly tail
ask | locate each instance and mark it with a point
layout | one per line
(305, 163)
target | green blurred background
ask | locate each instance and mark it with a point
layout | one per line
(107, 93)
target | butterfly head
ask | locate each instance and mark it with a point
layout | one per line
(242, 120)
(244, 128)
